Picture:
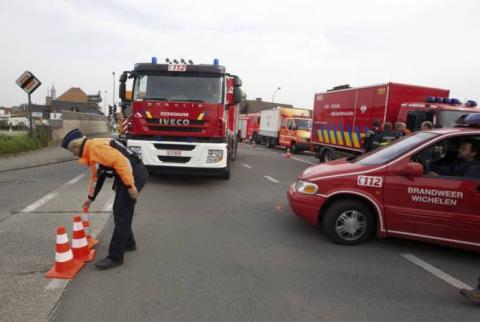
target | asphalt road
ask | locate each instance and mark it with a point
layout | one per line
(233, 251)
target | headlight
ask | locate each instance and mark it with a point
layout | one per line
(214, 156)
(305, 187)
(137, 150)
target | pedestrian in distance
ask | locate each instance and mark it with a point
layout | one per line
(370, 134)
(426, 125)
(401, 129)
(385, 137)
(109, 158)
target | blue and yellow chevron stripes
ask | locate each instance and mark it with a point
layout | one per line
(351, 138)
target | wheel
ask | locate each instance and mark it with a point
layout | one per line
(327, 155)
(227, 173)
(268, 143)
(348, 222)
(294, 148)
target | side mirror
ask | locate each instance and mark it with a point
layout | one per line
(237, 95)
(123, 77)
(412, 170)
(237, 81)
(122, 89)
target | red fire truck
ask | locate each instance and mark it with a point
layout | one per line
(183, 116)
(343, 115)
(424, 186)
(249, 126)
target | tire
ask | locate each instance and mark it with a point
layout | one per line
(327, 155)
(358, 222)
(268, 143)
(294, 148)
(227, 173)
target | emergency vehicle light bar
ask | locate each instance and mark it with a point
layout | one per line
(469, 119)
(444, 100)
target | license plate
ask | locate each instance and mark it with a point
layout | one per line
(174, 153)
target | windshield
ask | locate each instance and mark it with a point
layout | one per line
(303, 124)
(448, 118)
(203, 89)
(392, 151)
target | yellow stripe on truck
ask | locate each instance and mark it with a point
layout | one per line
(320, 136)
(339, 138)
(325, 136)
(332, 137)
(356, 142)
(347, 138)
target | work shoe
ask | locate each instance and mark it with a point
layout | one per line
(131, 248)
(472, 295)
(107, 263)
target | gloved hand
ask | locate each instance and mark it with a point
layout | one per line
(133, 193)
(87, 204)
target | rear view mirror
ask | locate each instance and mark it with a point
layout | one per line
(237, 95)
(412, 170)
(237, 81)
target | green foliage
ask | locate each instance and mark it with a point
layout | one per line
(20, 143)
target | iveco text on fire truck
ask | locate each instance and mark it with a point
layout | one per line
(183, 116)
(343, 115)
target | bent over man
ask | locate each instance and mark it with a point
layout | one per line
(109, 158)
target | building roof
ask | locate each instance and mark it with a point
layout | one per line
(257, 105)
(74, 94)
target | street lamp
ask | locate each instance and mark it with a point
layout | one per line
(275, 92)
(113, 95)
(105, 101)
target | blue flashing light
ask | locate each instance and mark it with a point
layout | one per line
(472, 119)
(439, 99)
(471, 103)
(216, 61)
(455, 101)
(430, 99)
(154, 60)
(446, 100)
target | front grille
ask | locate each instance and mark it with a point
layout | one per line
(179, 147)
(176, 129)
(165, 158)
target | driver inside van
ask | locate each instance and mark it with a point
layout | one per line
(465, 165)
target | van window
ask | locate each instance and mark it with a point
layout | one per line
(416, 118)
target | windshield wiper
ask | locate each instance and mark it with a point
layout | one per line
(195, 101)
(155, 98)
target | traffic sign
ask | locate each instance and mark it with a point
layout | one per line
(28, 82)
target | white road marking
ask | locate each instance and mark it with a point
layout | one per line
(435, 271)
(247, 166)
(56, 283)
(76, 179)
(40, 202)
(271, 179)
(301, 160)
(109, 204)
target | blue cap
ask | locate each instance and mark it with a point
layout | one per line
(70, 136)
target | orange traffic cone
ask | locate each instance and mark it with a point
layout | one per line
(287, 155)
(92, 242)
(65, 265)
(80, 248)
(254, 144)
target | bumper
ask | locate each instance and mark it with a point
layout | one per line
(179, 155)
(305, 206)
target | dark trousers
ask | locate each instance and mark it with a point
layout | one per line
(123, 209)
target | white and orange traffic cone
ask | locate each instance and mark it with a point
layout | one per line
(254, 144)
(65, 265)
(80, 248)
(92, 242)
(287, 155)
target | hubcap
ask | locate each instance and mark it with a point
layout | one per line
(351, 225)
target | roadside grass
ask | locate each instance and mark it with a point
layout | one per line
(22, 143)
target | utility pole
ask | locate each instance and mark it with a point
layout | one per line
(30, 131)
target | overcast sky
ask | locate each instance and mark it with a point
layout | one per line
(302, 46)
